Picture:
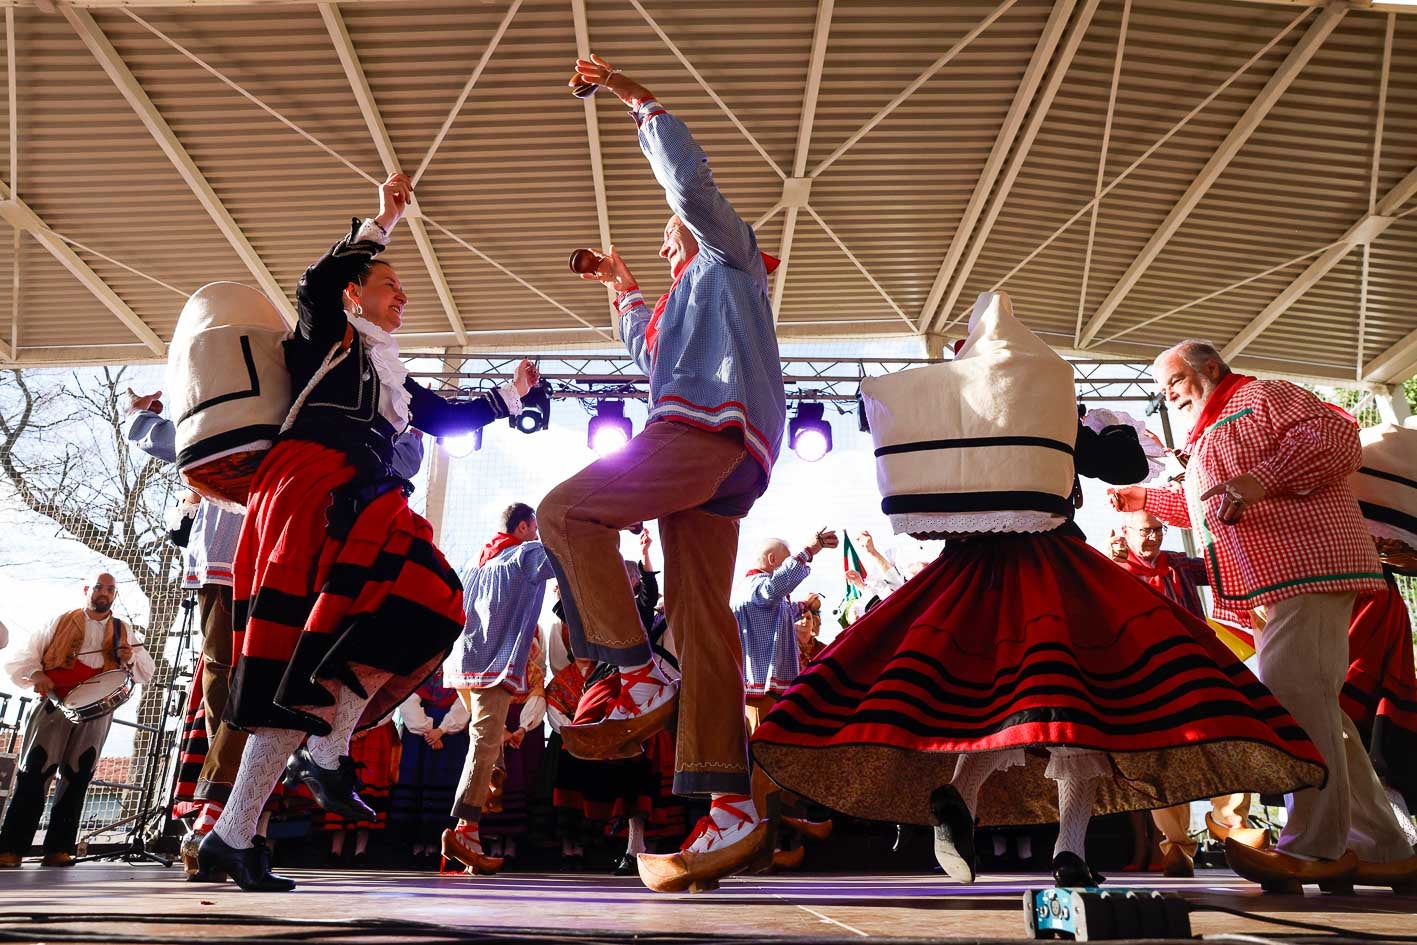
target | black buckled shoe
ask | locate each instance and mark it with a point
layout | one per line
(1072, 871)
(335, 790)
(628, 866)
(250, 868)
(954, 833)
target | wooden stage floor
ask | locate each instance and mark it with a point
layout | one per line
(152, 904)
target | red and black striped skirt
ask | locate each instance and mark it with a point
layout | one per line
(1380, 689)
(1028, 641)
(309, 607)
(192, 749)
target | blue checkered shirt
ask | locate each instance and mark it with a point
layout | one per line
(715, 364)
(502, 601)
(765, 625)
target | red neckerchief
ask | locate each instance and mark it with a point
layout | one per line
(500, 542)
(435, 693)
(1215, 404)
(756, 571)
(1140, 568)
(652, 329)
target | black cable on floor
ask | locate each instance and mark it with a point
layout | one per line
(26, 926)
(1305, 926)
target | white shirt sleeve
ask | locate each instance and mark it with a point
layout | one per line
(143, 666)
(412, 715)
(533, 713)
(556, 718)
(29, 658)
(457, 718)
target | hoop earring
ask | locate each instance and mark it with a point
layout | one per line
(358, 310)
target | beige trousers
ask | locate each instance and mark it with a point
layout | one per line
(1303, 656)
(487, 713)
(690, 481)
(1231, 810)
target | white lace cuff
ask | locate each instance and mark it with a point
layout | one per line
(371, 231)
(510, 397)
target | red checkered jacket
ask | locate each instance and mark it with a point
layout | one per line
(1307, 534)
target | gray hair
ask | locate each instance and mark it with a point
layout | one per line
(1197, 354)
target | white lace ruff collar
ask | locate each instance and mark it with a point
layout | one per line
(383, 350)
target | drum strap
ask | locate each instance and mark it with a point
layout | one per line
(117, 640)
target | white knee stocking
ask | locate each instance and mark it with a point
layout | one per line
(971, 771)
(262, 762)
(1075, 797)
(326, 750)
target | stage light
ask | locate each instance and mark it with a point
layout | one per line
(609, 430)
(463, 444)
(862, 422)
(808, 434)
(536, 409)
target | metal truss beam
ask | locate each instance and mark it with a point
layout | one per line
(596, 376)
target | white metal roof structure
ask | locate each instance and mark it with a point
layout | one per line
(1132, 171)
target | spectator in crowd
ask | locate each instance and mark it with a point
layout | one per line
(808, 628)
(435, 741)
(766, 617)
(1176, 577)
(76, 646)
(1266, 490)
(506, 817)
(376, 763)
(503, 593)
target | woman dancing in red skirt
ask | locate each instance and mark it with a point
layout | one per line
(343, 605)
(1021, 656)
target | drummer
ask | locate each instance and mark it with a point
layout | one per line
(76, 646)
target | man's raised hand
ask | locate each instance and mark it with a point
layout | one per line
(1127, 498)
(613, 272)
(138, 402)
(596, 71)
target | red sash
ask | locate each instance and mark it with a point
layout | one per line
(66, 679)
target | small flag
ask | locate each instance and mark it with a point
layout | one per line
(850, 561)
(1238, 640)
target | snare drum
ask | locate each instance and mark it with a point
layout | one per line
(96, 696)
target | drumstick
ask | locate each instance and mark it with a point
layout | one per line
(92, 652)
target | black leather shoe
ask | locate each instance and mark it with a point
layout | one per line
(628, 866)
(335, 790)
(251, 868)
(954, 833)
(1072, 871)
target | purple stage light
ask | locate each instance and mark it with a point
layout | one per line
(808, 433)
(609, 430)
